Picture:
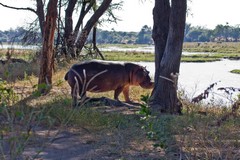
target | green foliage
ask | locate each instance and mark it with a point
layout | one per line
(221, 33)
(7, 95)
(21, 36)
(128, 56)
(145, 110)
(146, 117)
(237, 71)
(144, 36)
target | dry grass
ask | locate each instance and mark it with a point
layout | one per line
(214, 47)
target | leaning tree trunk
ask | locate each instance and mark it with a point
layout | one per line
(91, 22)
(47, 55)
(164, 95)
(94, 41)
(85, 9)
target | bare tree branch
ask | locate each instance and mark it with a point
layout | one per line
(19, 8)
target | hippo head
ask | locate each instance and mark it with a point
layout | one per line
(140, 76)
(144, 78)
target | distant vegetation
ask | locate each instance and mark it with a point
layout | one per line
(237, 71)
(221, 33)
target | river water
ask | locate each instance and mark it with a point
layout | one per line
(147, 49)
(194, 78)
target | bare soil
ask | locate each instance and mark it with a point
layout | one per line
(82, 143)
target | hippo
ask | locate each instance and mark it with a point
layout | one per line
(102, 76)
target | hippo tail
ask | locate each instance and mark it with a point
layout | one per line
(66, 76)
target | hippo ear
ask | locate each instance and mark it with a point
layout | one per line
(145, 69)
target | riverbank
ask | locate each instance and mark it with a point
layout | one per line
(192, 52)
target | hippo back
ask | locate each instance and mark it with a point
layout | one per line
(100, 76)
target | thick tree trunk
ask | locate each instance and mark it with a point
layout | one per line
(161, 13)
(47, 57)
(91, 22)
(164, 95)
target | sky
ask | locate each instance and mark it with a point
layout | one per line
(137, 13)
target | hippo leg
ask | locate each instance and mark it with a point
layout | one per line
(117, 92)
(126, 93)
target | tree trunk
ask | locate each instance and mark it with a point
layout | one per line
(40, 14)
(91, 22)
(58, 41)
(83, 13)
(161, 13)
(68, 30)
(47, 55)
(94, 41)
(164, 95)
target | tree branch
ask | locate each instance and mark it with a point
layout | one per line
(19, 8)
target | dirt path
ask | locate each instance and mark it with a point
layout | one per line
(72, 143)
(92, 146)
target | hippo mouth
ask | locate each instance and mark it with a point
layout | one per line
(147, 85)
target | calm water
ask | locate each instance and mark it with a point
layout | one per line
(196, 77)
(142, 49)
(16, 46)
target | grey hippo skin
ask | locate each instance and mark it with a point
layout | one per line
(100, 76)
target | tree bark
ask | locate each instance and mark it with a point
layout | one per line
(47, 55)
(161, 14)
(168, 56)
(91, 22)
(94, 41)
(68, 18)
(68, 30)
(85, 9)
(40, 14)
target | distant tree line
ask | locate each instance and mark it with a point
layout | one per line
(221, 33)
(21, 35)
